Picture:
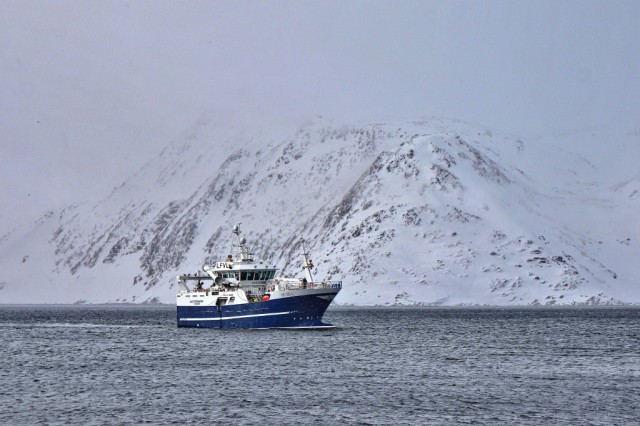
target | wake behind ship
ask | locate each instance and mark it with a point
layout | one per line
(246, 294)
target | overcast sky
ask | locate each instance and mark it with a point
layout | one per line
(90, 89)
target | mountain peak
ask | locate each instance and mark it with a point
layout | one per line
(424, 212)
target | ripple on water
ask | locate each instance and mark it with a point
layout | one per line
(90, 365)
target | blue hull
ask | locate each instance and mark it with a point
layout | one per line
(291, 312)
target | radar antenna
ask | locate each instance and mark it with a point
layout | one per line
(245, 256)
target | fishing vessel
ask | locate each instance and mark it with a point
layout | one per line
(243, 293)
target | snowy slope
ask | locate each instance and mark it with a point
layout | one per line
(426, 212)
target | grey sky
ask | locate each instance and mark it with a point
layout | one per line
(89, 90)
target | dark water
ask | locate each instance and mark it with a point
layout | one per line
(123, 365)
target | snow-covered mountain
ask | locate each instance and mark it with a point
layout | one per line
(426, 212)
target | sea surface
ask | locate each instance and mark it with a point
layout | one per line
(103, 365)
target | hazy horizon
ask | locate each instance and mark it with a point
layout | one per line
(91, 90)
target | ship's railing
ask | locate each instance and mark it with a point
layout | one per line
(299, 285)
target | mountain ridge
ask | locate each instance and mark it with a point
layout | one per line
(428, 212)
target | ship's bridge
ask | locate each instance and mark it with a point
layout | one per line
(256, 274)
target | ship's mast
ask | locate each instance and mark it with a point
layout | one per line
(245, 256)
(308, 264)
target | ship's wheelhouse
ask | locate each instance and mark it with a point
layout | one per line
(248, 275)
